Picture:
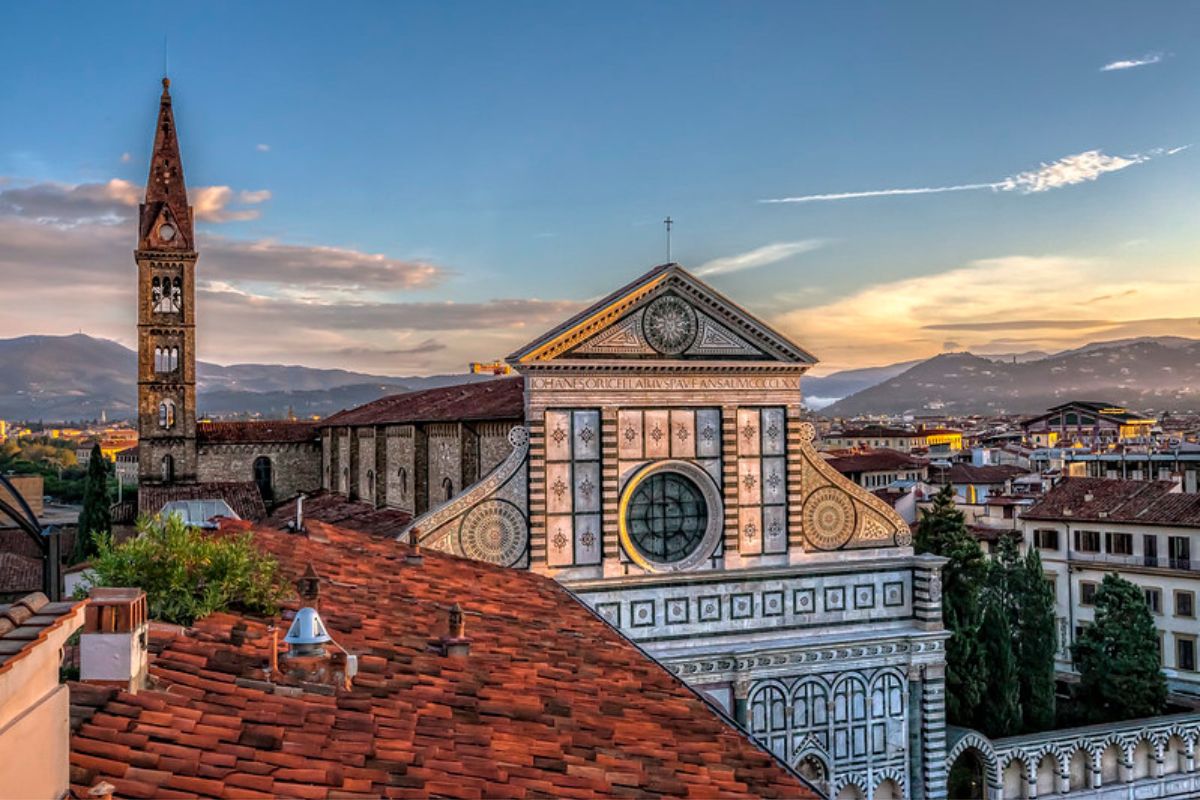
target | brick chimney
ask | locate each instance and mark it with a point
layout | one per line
(414, 556)
(308, 586)
(456, 643)
(112, 646)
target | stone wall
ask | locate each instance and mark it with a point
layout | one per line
(445, 461)
(295, 467)
(364, 475)
(494, 446)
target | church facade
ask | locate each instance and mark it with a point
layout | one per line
(663, 472)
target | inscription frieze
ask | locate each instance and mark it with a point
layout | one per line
(659, 383)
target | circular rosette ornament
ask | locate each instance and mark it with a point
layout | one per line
(669, 325)
(828, 518)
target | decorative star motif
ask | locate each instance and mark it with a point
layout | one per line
(773, 480)
(749, 481)
(748, 432)
(656, 434)
(559, 488)
(559, 435)
(774, 529)
(586, 487)
(587, 539)
(751, 531)
(559, 540)
(773, 432)
(586, 435)
(682, 434)
(708, 433)
(630, 434)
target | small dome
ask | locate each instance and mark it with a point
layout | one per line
(307, 629)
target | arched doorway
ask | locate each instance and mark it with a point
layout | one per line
(264, 478)
(968, 776)
(448, 488)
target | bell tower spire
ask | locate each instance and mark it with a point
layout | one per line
(166, 260)
(166, 192)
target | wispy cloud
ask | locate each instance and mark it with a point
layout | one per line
(1067, 171)
(759, 257)
(1146, 60)
(126, 158)
(912, 317)
(263, 148)
(115, 201)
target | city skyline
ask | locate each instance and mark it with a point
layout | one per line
(878, 191)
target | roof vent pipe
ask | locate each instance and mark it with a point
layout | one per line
(414, 556)
(307, 635)
(456, 643)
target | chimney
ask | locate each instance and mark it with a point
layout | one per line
(414, 557)
(112, 646)
(1088, 497)
(456, 643)
(308, 586)
(300, 512)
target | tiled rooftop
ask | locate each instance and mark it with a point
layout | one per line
(990, 473)
(242, 496)
(337, 509)
(256, 432)
(26, 623)
(875, 460)
(495, 399)
(549, 702)
(1114, 500)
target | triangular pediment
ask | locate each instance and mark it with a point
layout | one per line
(667, 314)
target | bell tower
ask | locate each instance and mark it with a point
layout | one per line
(166, 261)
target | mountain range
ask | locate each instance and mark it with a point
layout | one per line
(76, 377)
(58, 378)
(1149, 374)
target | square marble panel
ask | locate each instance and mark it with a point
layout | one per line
(683, 433)
(558, 436)
(656, 431)
(586, 431)
(772, 604)
(587, 539)
(893, 594)
(774, 480)
(741, 606)
(835, 598)
(677, 610)
(864, 596)
(559, 489)
(804, 601)
(560, 540)
(709, 608)
(749, 481)
(748, 432)
(775, 533)
(708, 433)
(774, 432)
(750, 530)
(611, 612)
(587, 487)
(641, 614)
(629, 435)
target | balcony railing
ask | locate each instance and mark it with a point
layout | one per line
(1159, 562)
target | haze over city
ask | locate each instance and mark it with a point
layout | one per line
(400, 189)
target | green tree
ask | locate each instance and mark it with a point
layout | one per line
(1036, 646)
(96, 517)
(943, 531)
(187, 573)
(999, 711)
(1120, 675)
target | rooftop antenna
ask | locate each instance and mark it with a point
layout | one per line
(668, 222)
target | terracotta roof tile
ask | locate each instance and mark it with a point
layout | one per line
(269, 431)
(569, 709)
(494, 399)
(337, 509)
(880, 459)
(1116, 500)
(243, 497)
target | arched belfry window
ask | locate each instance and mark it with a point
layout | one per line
(166, 414)
(263, 477)
(166, 295)
(448, 488)
(370, 484)
(403, 483)
(168, 469)
(176, 295)
(156, 293)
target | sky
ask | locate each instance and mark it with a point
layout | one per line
(401, 188)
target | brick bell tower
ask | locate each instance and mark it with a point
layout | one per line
(166, 261)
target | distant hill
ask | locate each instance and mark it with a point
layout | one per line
(820, 392)
(56, 378)
(1147, 374)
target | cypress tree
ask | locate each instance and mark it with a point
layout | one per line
(1036, 639)
(943, 531)
(1120, 675)
(95, 519)
(999, 711)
